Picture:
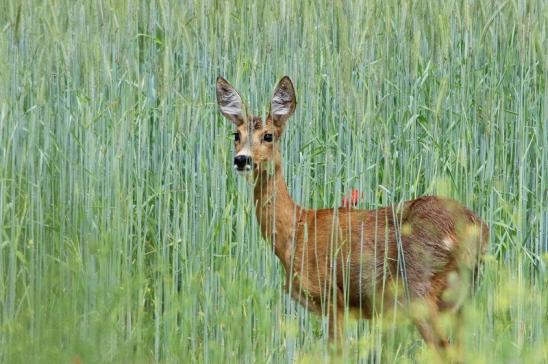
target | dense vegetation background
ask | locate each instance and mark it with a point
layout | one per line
(125, 236)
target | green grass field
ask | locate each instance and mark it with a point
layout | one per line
(125, 235)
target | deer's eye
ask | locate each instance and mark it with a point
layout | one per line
(267, 137)
(237, 136)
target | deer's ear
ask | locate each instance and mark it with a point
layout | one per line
(229, 101)
(283, 102)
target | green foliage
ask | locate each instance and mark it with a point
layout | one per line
(126, 237)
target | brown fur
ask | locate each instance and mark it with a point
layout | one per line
(348, 258)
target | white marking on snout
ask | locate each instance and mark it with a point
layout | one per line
(247, 167)
(245, 151)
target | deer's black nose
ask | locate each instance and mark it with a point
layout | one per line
(241, 161)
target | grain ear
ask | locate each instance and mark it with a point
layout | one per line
(283, 102)
(229, 101)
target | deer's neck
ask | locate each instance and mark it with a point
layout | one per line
(277, 213)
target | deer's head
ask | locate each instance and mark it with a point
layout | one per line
(256, 143)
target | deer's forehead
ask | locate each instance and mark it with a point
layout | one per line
(255, 125)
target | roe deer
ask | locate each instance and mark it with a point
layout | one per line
(345, 258)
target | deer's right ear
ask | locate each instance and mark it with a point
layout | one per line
(229, 101)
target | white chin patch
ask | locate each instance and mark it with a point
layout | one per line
(244, 172)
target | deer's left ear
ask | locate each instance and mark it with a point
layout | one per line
(229, 101)
(283, 102)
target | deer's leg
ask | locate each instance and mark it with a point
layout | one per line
(451, 298)
(335, 315)
(425, 317)
(330, 304)
(424, 309)
(424, 288)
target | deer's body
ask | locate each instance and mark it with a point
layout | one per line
(361, 254)
(349, 258)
